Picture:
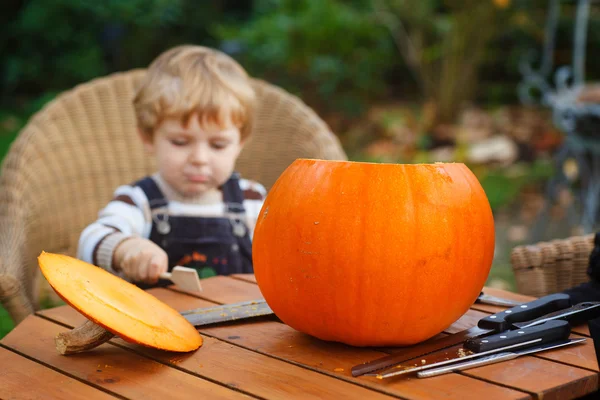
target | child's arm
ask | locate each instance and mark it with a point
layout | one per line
(124, 224)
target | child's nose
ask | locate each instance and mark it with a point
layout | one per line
(199, 154)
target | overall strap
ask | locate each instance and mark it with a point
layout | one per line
(233, 196)
(155, 196)
(156, 201)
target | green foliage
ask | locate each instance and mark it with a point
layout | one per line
(10, 124)
(337, 55)
(43, 30)
(503, 185)
(6, 324)
(55, 44)
(443, 46)
(332, 52)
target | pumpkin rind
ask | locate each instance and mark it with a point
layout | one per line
(117, 305)
(373, 254)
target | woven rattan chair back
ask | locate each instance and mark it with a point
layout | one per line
(549, 267)
(66, 162)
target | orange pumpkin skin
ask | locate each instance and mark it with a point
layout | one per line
(373, 254)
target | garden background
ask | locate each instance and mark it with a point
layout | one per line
(402, 81)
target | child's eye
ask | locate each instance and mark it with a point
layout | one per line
(219, 145)
(179, 142)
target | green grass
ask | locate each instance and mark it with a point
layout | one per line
(6, 324)
(504, 272)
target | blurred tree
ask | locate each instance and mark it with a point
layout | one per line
(51, 45)
(444, 43)
(331, 52)
(340, 56)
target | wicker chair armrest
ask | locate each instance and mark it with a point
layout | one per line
(15, 292)
(16, 281)
(552, 266)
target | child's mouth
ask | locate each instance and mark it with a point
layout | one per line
(198, 178)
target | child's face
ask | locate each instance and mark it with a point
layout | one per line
(196, 158)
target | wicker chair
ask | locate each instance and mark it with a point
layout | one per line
(552, 266)
(65, 164)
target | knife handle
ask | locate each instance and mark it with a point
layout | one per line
(577, 314)
(478, 362)
(503, 320)
(548, 332)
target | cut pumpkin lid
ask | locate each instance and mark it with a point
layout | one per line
(117, 305)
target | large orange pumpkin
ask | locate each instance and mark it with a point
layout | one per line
(373, 254)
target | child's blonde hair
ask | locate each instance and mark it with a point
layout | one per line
(194, 79)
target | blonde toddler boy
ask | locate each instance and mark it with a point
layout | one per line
(194, 112)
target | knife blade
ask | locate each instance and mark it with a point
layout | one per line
(259, 307)
(494, 358)
(485, 298)
(520, 338)
(497, 322)
(227, 312)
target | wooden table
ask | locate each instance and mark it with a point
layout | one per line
(265, 359)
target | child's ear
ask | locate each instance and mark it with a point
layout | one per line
(147, 140)
(243, 142)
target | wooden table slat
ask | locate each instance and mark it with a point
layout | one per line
(333, 359)
(539, 376)
(23, 378)
(268, 359)
(225, 290)
(240, 367)
(245, 277)
(259, 374)
(582, 355)
(111, 367)
(279, 340)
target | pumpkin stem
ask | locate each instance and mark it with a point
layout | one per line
(82, 338)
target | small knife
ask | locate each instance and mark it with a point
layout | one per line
(184, 277)
(496, 301)
(494, 358)
(547, 332)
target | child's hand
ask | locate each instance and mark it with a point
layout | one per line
(141, 260)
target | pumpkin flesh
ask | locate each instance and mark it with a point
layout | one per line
(373, 254)
(117, 305)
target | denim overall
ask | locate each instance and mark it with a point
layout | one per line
(211, 245)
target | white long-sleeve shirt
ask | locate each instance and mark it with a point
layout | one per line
(128, 214)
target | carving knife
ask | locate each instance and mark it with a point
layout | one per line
(495, 323)
(474, 348)
(227, 312)
(258, 308)
(255, 308)
(494, 358)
